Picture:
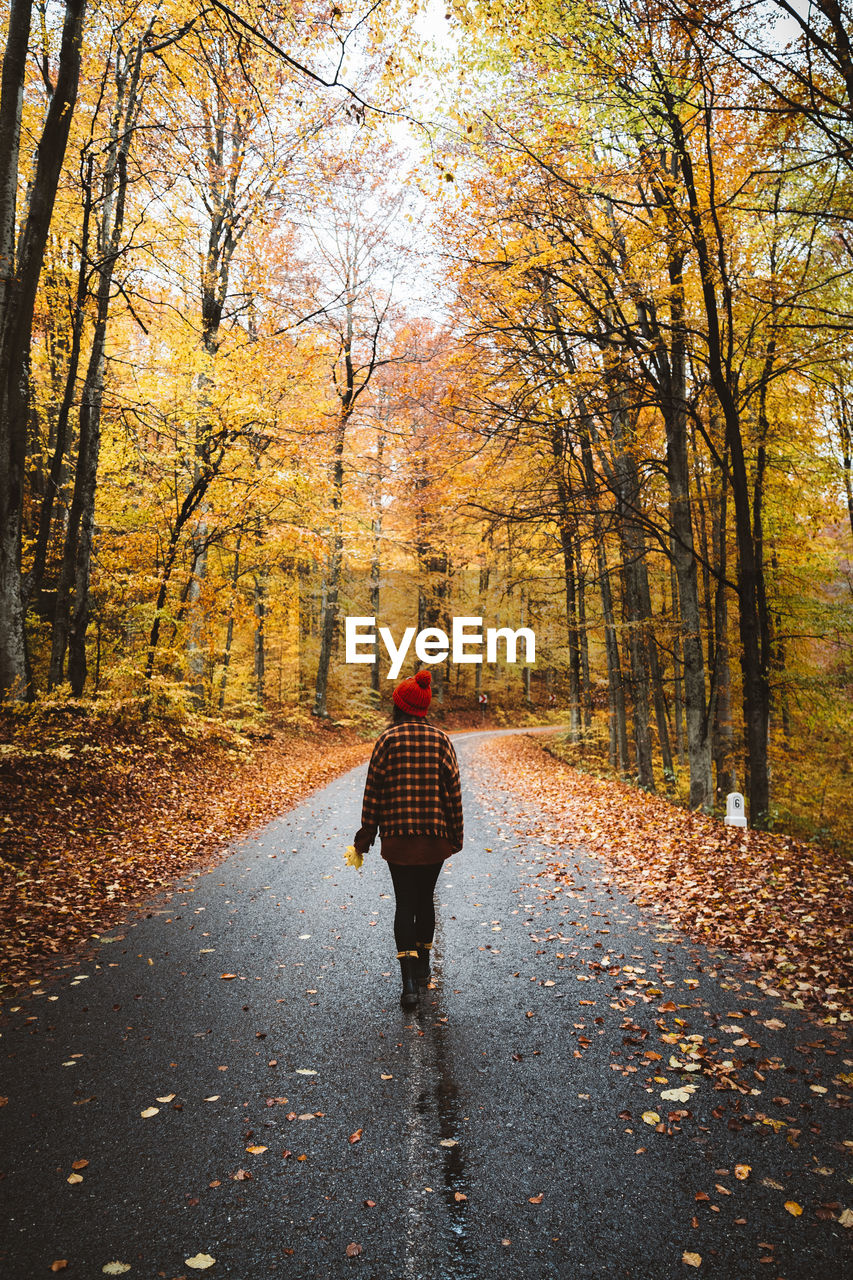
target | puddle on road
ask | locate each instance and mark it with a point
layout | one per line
(437, 1243)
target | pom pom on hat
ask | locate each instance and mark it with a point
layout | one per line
(415, 694)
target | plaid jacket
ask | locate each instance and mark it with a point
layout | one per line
(412, 786)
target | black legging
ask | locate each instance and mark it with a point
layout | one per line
(414, 919)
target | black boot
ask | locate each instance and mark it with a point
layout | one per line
(422, 972)
(408, 965)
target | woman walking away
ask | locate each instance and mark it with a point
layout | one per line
(413, 799)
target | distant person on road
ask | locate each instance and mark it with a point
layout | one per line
(412, 797)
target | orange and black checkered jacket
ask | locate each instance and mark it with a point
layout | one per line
(412, 786)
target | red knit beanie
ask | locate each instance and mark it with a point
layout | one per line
(415, 694)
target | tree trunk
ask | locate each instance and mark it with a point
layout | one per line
(375, 554)
(54, 480)
(586, 685)
(18, 287)
(654, 667)
(77, 557)
(329, 615)
(229, 632)
(567, 523)
(187, 509)
(756, 702)
(633, 560)
(619, 719)
(79, 536)
(261, 596)
(671, 362)
(678, 706)
(638, 653)
(723, 742)
(567, 543)
(842, 417)
(84, 500)
(615, 681)
(684, 556)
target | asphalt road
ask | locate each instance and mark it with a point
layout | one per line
(497, 1131)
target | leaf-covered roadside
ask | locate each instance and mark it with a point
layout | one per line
(781, 905)
(97, 817)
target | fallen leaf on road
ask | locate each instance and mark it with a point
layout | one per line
(353, 1250)
(169, 1097)
(651, 1117)
(73, 1178)
(306, 1071)
(536, 1199)
(846, 1218)
(59, 1265)
(256, 1151)
(356, 1137)
(226, 977)
(448, 1142)
(79, 1164)
(774, 1024)
(386, 1077)
(677, 1095)
(742, 1171)
(691, 1259)
(200, 1262)
(115, 1268)
(769, 1182)
(3, 1101)
(149, 1112)
(302, 1157)
(242, 1175)
(214, 1097)
(370, 1204)
(793, 1208)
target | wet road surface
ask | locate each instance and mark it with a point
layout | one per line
(497, 1130)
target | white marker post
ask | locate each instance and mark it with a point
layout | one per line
(735, 815)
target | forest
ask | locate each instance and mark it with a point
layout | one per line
(537, 312)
